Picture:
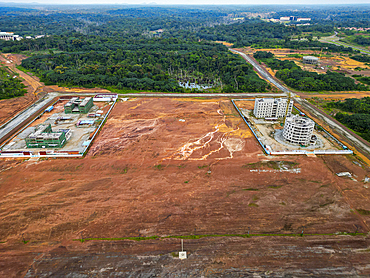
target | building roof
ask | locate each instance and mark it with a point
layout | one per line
(310, 58)
(299, 121)
(85, 101)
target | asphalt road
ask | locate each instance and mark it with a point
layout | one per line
(262, 71)
(24, 115)
(335, 40)
(200, 95)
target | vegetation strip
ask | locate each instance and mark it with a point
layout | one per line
(222, 235)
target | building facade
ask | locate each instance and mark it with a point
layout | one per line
(78, 106)
(272, 107)
(298, 130)
(44, 137)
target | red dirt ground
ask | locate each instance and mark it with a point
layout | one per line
(181, 167)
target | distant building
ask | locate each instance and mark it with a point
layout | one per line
(44, 137)
(303, 19)
(8, 36)
(298, 130)
(78, 106)
(310, 60)
(272, 107)
(285, 18)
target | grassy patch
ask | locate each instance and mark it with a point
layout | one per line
(277, 165)
(201, 167)
(250, 189)
(324, 205)
(229, 193)
(124, 171)
(253, 205)
(220, 235)
(186, 181)
(275, 186)
(363, 211)
(175, 254)
(158, 167)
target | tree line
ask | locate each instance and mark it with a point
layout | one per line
(10, 85)
(357, 116)
(152, 64)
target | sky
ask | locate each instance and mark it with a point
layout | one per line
(195, 2)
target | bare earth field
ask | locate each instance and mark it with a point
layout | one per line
(179, 167)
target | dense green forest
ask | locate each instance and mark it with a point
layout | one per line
(311, 81)
(299, 79)
(119, 46)
(362, 79)
(10, 85)
(352, 105)
(359, 121)
(362, 40)
(154, 64)
(361, 58)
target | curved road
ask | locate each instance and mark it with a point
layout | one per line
(335, 40)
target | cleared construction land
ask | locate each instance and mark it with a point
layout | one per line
(183, 167)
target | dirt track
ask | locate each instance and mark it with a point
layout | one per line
(181, 167)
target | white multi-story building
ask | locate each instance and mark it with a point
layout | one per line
(272, 107)
(298, 130)
(8, 36)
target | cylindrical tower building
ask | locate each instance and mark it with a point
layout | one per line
(298, 130)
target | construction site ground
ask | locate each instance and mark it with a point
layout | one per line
(79, 134)
(181, 167)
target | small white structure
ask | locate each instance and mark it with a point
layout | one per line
(310, 60)
(303, 19)
(272, 107)
(182, 254)
(105, 97)
(285, 18)
(298, 130)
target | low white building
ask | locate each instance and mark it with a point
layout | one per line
(310, 60)
(7, 36)
(285, 18)
(303, 19)
(272, 107)
(298, 130)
